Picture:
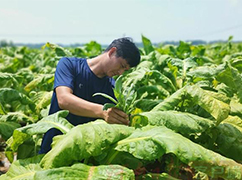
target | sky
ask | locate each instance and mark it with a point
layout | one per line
(81, 21)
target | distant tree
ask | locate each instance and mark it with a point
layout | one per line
(4, 43)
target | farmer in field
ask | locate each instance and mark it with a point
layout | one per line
(77, 79)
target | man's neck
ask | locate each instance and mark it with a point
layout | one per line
(96, 65)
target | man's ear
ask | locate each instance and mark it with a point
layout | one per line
(112, 51)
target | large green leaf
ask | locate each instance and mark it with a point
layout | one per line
(152, 92)
(153, 61)
(84, 141)
(136, 77)
(20, 135)
(60, 51)
(29, 169)
(9, 95)
(161, 80)
(93, 49)
(150, 143)
(184, 123)
(41, 80)
(28, 148)
(147, 104)
(236, 108)
(8, 80)
(224, 89)
(229, 138)
(144, 64)
(113, 156)
(125, 97)
(7, 128)
(184, 49)
(218, 109)
(234, 121)
(23, 169)
(183, 65)
(237, 63)
(161, 60)
(232, 78)
(205, 72)
(147, 45)
(219, 96)
(144, 77)
(83, 172)
(17, 117)
(41, 99)
(171, 102)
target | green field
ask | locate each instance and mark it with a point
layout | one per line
(184, 102)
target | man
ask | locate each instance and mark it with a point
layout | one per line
(77, 79)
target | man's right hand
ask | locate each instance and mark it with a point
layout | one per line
(116, 116)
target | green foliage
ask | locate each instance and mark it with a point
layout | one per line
(25, 133)
(91, 139)
(150, 143)
(147, 45)
(184, 102)
(125, 97)
(29, 169)
(184, 123)
(7, 128)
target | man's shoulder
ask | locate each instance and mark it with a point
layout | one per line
(73, 59)
(72, 63)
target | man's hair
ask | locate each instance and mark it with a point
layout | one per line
(127, 50)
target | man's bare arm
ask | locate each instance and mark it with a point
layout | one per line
(68, 101)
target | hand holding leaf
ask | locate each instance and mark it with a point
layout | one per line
(122, 107)
(114, 115)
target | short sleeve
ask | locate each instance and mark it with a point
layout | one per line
(65, 73)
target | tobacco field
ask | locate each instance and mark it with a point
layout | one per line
(185, 107)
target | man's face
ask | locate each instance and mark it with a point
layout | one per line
(116, 66)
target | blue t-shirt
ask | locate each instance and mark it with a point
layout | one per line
(77, 75)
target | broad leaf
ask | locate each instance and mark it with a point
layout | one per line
(17, 117)
(82, 142)
(183, 65)
(60, 51)
(8, 80)
(218, 109)
(41, 99)
(147, 104)
(147, 45)
(23, 169)
(40, 81)
(29, 169)
(150, 143)
(229, 138)
(7, 128)
(171, 102)
(234, 121)
(9, 95)
(20, 135)
(184, 123)
(84, 172)
(236, 108)
(232, 78)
